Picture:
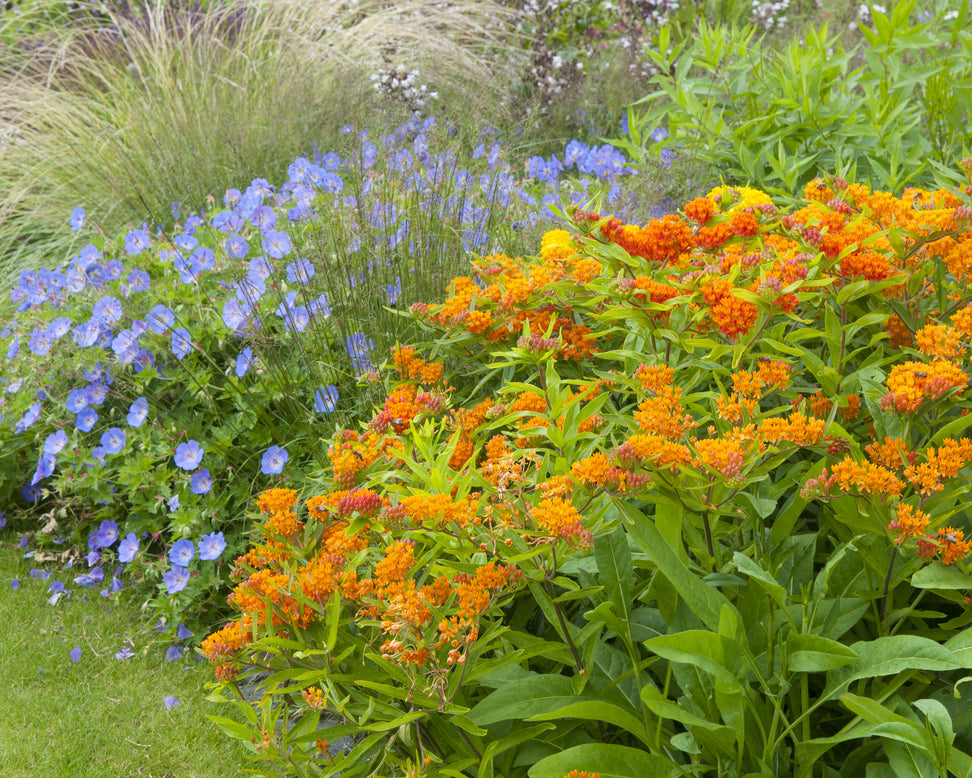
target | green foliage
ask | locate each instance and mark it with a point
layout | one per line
(661, 525)
(881, 112)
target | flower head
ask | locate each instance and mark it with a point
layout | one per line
(273, 461)
(211, 546)
(189, 455)
(182, 552)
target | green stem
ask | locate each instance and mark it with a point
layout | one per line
(887, 581)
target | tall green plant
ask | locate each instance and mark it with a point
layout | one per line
(776, 119)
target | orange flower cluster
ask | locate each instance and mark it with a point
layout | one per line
(732, 316)
(411, 367)
(796, 428)
(891, 453)
(913, 384)
(559, 518)
(940, 341)
(663, 241)
(467, 421)
(909, 522)
(582, 774)
(354, 453)
(941, 464)
(866, 478)
(228, 641)
(438, 510)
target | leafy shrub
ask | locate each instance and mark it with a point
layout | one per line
(703, 510)
(155, 381)
(890, 111)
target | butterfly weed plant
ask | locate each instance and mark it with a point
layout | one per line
(695, 504)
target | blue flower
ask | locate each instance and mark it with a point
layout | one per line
(58, 328)
(125, 653)
(170, 702)
(31, 415)
(104, 536)
(55, 442)
(139, 280)
(183, 633)
(235, 313)
(325, 400)
(77, 219)
(243, 362)
(359, 347)
(159, 319)
(173, 653)
(108, 311)
(97, 392)
(181, 342)
(201, 482)
(173, 503)
(176, 579)
(137, 241)
(86, 419)
(113, 440)
(277, 244)
(236, 247)
(128, 548)
(300, 271)
(87, 334)
(211, 546)
(320, 306)
(75, 654)
(189, 455)
(45, 467)
(138, 412)
(39, 343)
(182, 552)
(273, 461)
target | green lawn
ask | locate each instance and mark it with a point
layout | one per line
(101, 716)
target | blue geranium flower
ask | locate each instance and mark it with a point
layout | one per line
(104, 536)
(58, 328)
(176, 579)
(159, 319)
(107, 311)
(189, 455)
(138, 412)
(300, 271)
(113, 440)
(182, 552)
(77, 219)
(137, 241)
(277, 244)
(31, 415)
(243, 362)
(45, 467)
(128, 548)
(211, 546)
(181, 342)
(273, 461)
(325, 400)
(55, 442)
(359, 348)
(236, 247)
(201, 482)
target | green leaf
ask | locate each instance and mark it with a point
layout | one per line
(939, 576)
(528, 697)
(704, 601)
(611, 761)
(762, 578)
(813, 653)
(595, 710)
(890, 655)
(708, 651)
(616, 568)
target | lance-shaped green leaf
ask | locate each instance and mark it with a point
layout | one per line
(611, 761)
(704, 601)
(939, 576)
(814, 654)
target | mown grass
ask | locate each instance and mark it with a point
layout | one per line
(101, 716)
